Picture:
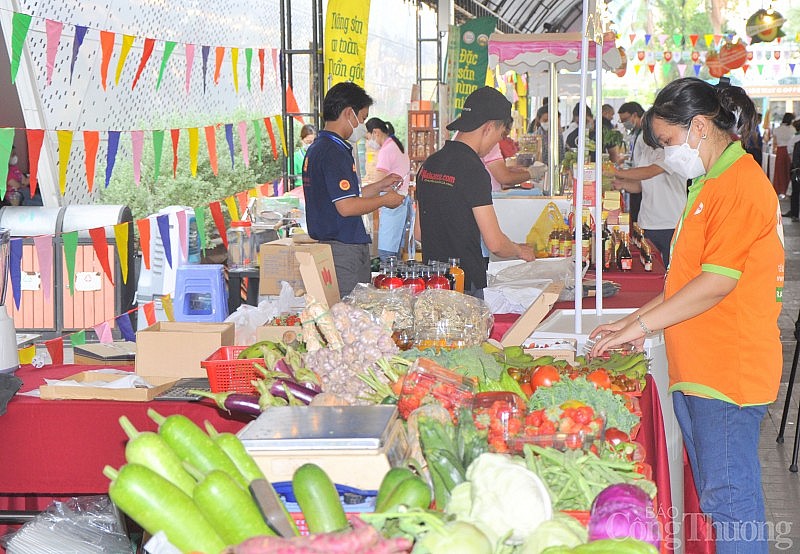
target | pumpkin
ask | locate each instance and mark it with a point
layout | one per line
(733, 55)
(715, 67)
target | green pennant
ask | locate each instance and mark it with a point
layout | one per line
(677, 39)
(169, 46)
(158, 148)
(78, 339)
(200, 219)
(70, 240)
(20, 24)
(6, 142)
(257, 129)
(248, 56)
(665, 69)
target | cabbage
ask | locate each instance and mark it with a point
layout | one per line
(562, 530)
(458, 536)
(624, 510)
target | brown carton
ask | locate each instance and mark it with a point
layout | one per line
(56, 392)
(173, 349)
(116, 353)
(307, 267)
(530, 319)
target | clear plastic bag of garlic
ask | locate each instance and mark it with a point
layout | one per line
(346, 342)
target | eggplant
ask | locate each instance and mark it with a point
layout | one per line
(279, 387)
(233, 401)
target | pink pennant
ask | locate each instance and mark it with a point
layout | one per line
(182, 234)
(632, 37)
(54, 29)
(103, 331)
(44, 254)
(662, 39)
(55, 347)
(275, 64)
(681, 69)
(243, 141)
(137, 140)
(189, 61)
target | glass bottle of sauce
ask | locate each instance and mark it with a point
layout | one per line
(392, 280)
(414, 281)
(437, 279)
(624, 258)
(457, 273)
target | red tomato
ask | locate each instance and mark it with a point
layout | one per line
(526, 388)
(544, 376)
(600, 379)
(615, 436)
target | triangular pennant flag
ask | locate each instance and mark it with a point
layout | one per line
(261, 67)
(776, 69)
(205, 50)
(677, 56)
(80, 33)
(26, 354)
(266, 189)
(662, 39)
(189, 62)
(647, 37)
(55, 347)
(147, 51)
(275, 64)
(15, 269)
(35, 140)
(230, 203)
(709, 38)
(291, 105)
(175, 134)
(242, 198)
(257, 132)
(169, 46)
(137, 144)
(70, 240)
(194, 147)
(166, 305)
(791, 68)
(229, 139)
(640, 55)
(127, 42)
(182, 234)
(125, 327)
(235, 68)
(697, 68)
(6, 143)
(243, 142)
(149, 310)
(777, 54)
(53, 30)
(211, 142)
(219, 54)
(121, 238)
(106, 49)
(272, 143)
(100, 245)
(717, 40)
(64, 147)
(103, 331)
(760, 68)
(158, 148)
(636, 68)
(219, 221)
(163, 231)
(200, 219)
(20, 24)
(279, 125)
(693, 39)
(665, 69)
(632, 37)
(651, 67)
(681, 69)
(111, 154)
(745, 67)
(677, 39)
(43, 244)
(91, 140)
(248, 59)
(144, 239)
(78, 338)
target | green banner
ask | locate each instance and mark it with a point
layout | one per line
(473, 58)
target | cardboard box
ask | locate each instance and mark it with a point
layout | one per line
(278, 332)
(307, 267)
(55, 392)
(530, 319)
(115, 353)
(560, 349)
(173, 349)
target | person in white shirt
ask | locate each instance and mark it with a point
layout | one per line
(782, 141)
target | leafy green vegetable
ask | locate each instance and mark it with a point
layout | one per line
(562, 530)
(470, 362)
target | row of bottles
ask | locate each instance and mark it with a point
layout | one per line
(435, 275)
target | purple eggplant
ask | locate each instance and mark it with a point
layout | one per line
(233, 401)
(298, 391)
(282, 366)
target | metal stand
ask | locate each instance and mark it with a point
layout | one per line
(792, 373)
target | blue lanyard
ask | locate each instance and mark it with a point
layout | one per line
(338, 140)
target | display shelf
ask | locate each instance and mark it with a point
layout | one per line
(423, 131)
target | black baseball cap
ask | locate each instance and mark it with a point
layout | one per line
(484, 104)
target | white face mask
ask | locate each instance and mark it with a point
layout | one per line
(13, 161)
(545, 125)
(359, 131)
(685, 160)
(372, 144)
(629, 126)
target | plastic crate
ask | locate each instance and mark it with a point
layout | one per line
(301, 523)
(228, 374)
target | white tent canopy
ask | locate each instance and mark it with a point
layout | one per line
(525, 53)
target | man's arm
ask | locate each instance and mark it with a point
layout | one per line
(359, 205)
(507, 176)
(639, 173)
(374, 189)
(496, 241)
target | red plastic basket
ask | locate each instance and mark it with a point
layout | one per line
(228, 374)
(301, 523)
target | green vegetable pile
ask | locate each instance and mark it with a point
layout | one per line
(469, 362)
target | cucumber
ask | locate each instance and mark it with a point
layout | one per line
(158, 505)
(231, 511)
(318, 499)
(412, 492)
(393, 477)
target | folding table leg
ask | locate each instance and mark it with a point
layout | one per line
(789, 390)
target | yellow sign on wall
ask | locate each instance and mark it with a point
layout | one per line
(345, 35)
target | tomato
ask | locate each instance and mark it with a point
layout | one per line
(615, 436)
(544, 376)
(526, 388)
(600, 379)
(584, 414)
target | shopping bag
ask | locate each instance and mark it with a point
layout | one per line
(538, 237)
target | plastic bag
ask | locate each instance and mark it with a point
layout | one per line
(394, 307)
(539, 236)
(450, 319)
(86, 524)
(248, 318)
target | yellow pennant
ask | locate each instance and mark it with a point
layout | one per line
(64, 147)
(194, 147)
(166, 305)
(121, 236)
(279, 124)
(253, 193)
(234, 66)
(26, 354)
(233, 211)
(127, 42)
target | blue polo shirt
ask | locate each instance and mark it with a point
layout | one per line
(329, 175)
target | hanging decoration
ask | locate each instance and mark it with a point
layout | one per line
(715, 67)
(733, 55)
(765, 26)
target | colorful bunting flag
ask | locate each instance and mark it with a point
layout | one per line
(257, 132)
(292, 106)
(693, 39)
(279, 125)
(15, 269)
(248, 58)
(78, 338)
(242, 198)
(103, 331)
(681, 69)
(43, 244)
(127, 43)
(275, 64)
(175, 134)
(55, 347)
(219, 54)
(189, 62)
(53, 30)
(125, 327)
(100, 245)
(111, 154)
(647, 37)
(27, 354)
(91, 140)
(272, 143)
(219, 221)
(200, 220)
(149, 310)
(169, 46)
(261, 67)
(205, 51)
(121, 238)
(35, 140)
(229, 140)
(20, 24)
(64, 146)
(677, 39)
(182, 234)
(194, 147)
(211, 142)
(709, 38)
(697, 68)
(144, 239)
(80, 34)
(70, 240)
(163, 231)
(235, 68)
(230, 203)
(137, 143)
(243, 143)
(632, 37)
(147, 51)
(158, 147)
(6, 143)
(166, 305)
(106, 49)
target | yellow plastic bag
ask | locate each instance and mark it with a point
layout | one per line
(538, 237)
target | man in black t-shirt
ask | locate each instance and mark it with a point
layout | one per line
(454, 193)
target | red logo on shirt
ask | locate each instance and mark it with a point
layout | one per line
(344, 184)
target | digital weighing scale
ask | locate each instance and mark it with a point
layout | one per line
(355, 445)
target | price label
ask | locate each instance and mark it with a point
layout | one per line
(30, 280)
(88, 281)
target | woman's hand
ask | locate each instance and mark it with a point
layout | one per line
(622, 331)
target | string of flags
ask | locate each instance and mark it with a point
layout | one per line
(54, 30)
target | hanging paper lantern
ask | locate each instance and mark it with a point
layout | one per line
(623, 66)
(765, 25)
(715, 67)
(733, 56)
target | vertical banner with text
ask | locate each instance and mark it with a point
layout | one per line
(345, 33)
(473, 58)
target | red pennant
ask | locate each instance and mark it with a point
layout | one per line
(144, 239)
(261, 66)
(694, 38)
(91, 139)
(147, 51)
(150, 313)
(55, 347)
(640, 55)
(98, 235)
(106, 48)
(176, 135)
(632, 37)
(35, 139)
(211, 142)
(273, 144)
(242, 198)
(667, 56)
(219, 220)
(776, 54)
(651, 67)
(695, 55)
(291, 105)
(745, 67)
(219, 54)
(265, 189)
(749, 55)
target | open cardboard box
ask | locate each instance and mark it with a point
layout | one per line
(278, 333)
(55, 392)
(115, 353)
(307, 267)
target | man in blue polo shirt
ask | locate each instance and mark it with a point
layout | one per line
(334, 200)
